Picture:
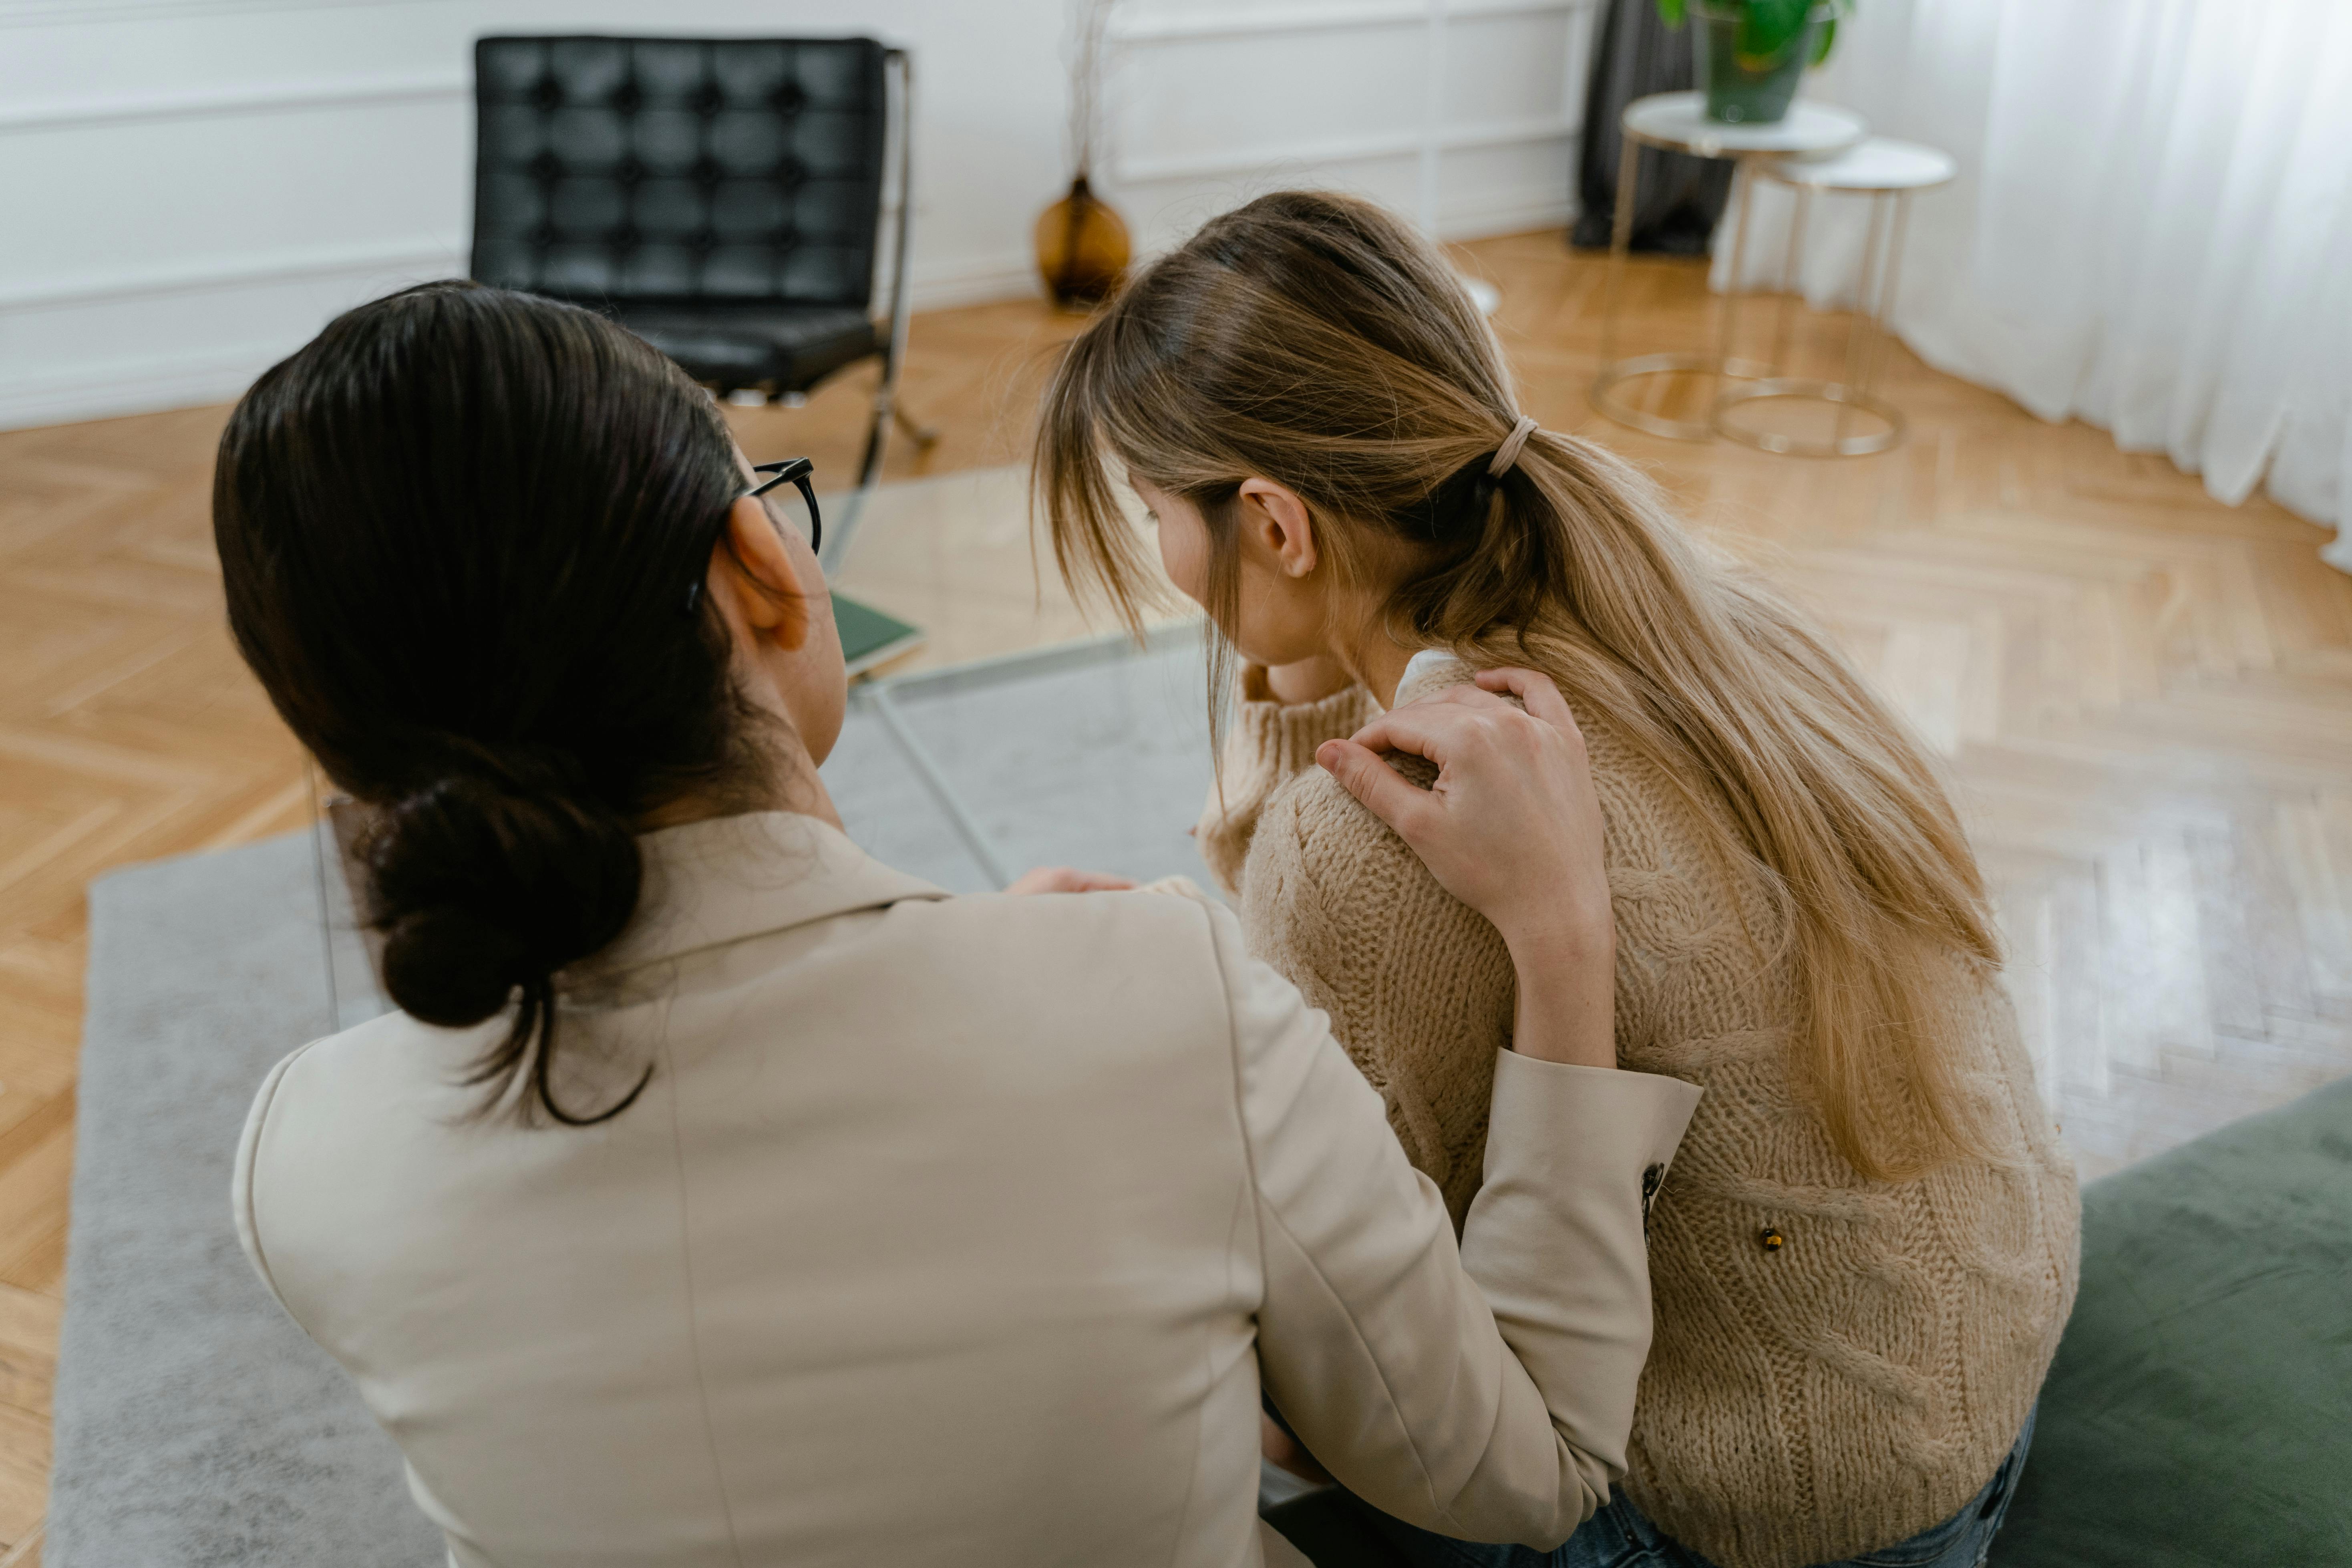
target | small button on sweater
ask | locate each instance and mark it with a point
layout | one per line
(1839, 1363)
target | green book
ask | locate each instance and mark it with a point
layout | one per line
(869, 637)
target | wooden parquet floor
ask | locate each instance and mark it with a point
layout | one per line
(2145, 700)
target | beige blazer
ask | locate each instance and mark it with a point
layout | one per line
(947, 1230)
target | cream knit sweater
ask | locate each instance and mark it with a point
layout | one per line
(1803, 1403)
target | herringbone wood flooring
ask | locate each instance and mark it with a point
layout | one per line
(2145, 698)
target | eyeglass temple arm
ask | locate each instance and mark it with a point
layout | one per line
(795, 471)
(792, 470)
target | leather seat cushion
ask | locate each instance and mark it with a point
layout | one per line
(776, 347)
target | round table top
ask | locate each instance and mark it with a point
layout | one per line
(1877, 164)
(1678, 122)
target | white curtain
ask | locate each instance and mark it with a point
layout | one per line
(2152, 230)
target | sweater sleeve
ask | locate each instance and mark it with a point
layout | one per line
(1270, 743)
(1418, 986)
(1486, 1393)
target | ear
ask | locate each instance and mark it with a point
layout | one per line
(1276, 520)
(754, 580)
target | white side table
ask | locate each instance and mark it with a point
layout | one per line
(1677, 122)
(1888, 172)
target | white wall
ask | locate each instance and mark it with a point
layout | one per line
(188, 188)
(1461, 112)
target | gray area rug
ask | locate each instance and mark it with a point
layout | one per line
(196, 1424)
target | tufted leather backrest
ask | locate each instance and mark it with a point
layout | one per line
(679, 170)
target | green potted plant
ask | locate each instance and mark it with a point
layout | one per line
(1751, 53)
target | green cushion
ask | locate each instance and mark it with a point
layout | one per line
(2199, 1412)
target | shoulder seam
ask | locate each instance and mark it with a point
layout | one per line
(694, 1317)
(249, 1157)
(1234, 1066)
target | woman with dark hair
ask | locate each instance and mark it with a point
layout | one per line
(720, 1195)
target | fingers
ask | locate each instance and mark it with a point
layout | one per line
(1064, 879)
(1436, 728)
(1371, 781)
(1459, 697)
(1536, 690)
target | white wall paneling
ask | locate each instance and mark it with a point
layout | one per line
(325, 92)
(193, 187)
(1464, 114)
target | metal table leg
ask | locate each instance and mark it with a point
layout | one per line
(1615, 373)
(1792, 280)
(1621, 244)
(1874, 304)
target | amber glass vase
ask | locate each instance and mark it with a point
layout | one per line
(1082, 248)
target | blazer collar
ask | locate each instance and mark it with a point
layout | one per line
(708, 883)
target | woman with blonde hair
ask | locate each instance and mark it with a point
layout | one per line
(1866, 1251)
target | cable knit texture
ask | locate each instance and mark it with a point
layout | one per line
(1802, 1405)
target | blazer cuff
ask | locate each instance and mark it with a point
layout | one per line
(1554, 1121)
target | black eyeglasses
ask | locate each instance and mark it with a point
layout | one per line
(791, 471)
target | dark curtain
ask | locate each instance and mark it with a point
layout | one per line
(1679, 197)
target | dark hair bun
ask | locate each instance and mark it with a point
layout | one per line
(484, 882)
(449, 966)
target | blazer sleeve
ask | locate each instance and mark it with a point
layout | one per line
(1269, 744)
(1485, 1393)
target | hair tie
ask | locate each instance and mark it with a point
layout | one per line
(1508, 452)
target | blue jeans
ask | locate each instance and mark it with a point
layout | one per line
(1620, 1537)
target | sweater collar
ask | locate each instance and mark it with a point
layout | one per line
(712, 883)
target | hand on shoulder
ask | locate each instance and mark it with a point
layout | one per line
(1512, 828)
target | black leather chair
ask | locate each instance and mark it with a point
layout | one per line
(723, 198)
